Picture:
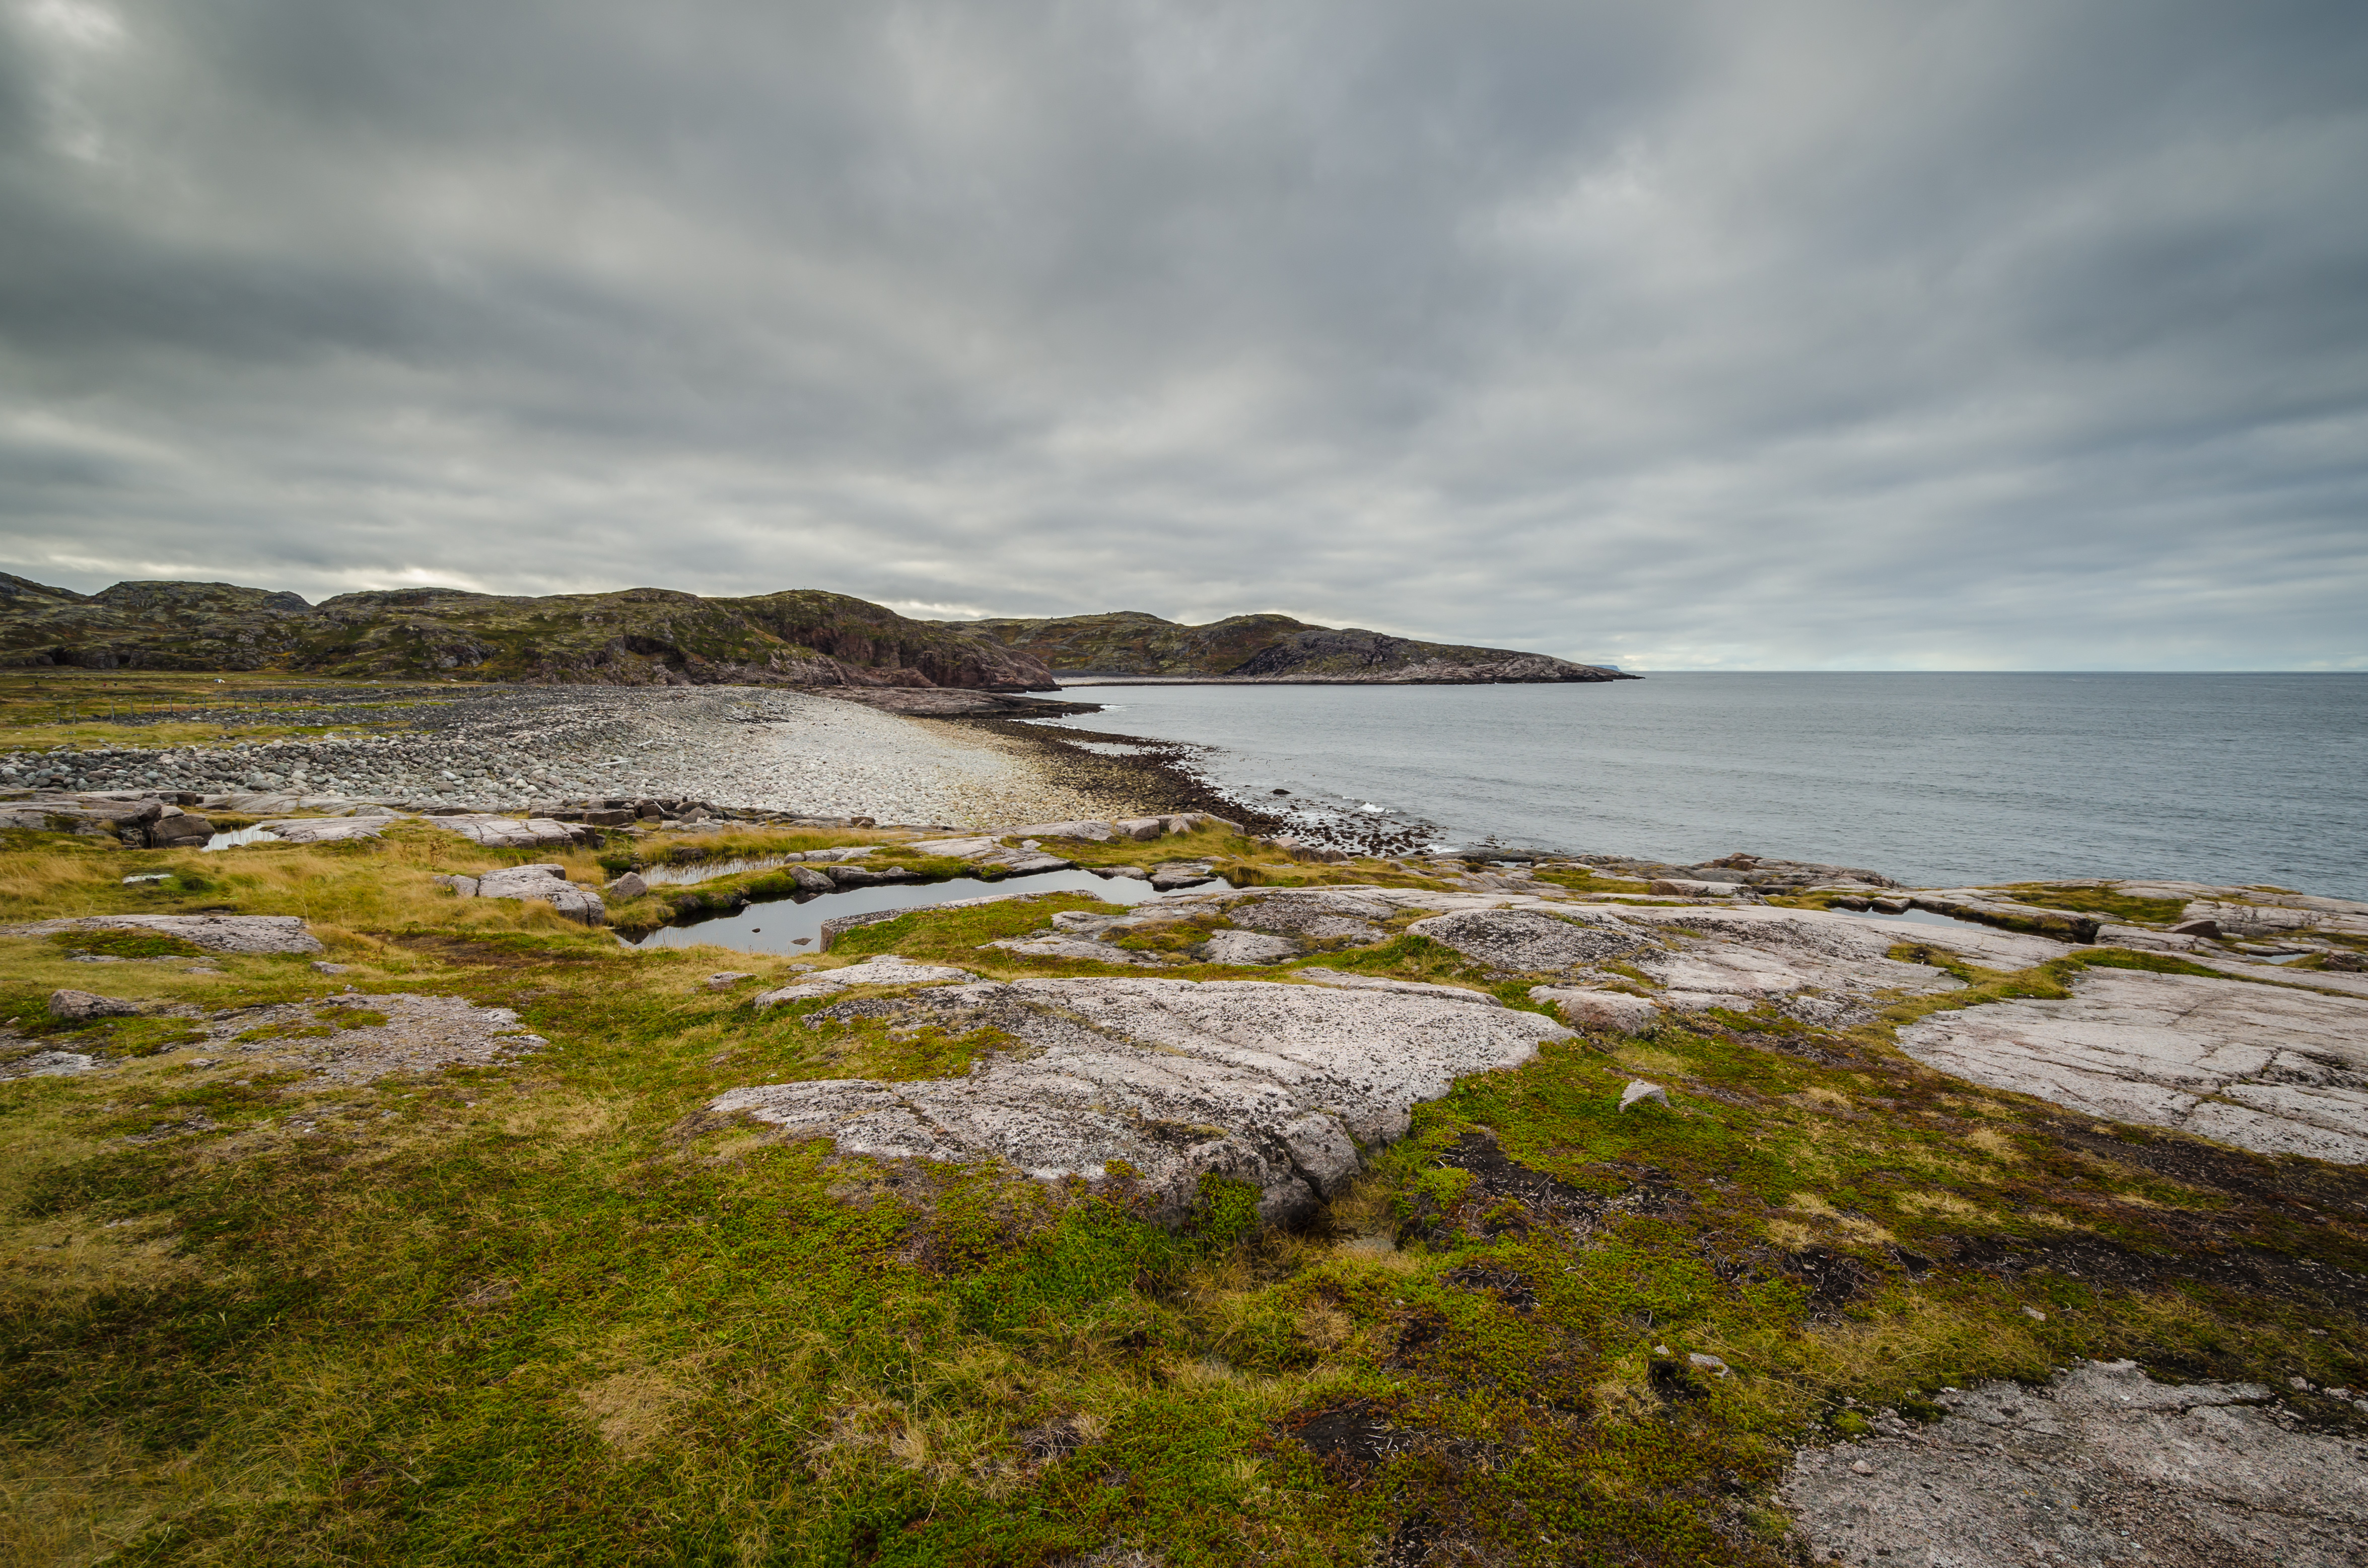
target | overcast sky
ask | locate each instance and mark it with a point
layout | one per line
(1751, 335)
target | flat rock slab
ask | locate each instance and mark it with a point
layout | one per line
(2102, 1465)
(421, 1034)
(212, 933)
(1313, 914)
(326, 830)
(507, 833)
(886, 971)
(2265, 1067)
(1275, 1085)
(1531, 941)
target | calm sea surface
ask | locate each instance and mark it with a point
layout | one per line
(1933, 779)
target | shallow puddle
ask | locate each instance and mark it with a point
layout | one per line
(794, 924)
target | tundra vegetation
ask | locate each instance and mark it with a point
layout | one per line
(546, 1308)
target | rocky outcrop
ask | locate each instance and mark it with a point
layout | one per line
(1161, 1082)
(2265, 1067)
(1265, 647)
(2104, 1464)
(212, 933)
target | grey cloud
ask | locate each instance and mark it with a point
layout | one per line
(1785, 336)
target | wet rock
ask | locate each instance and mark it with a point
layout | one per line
(1175, 874)
(1275, 1085)
(87, 1007)
(2265, 1067)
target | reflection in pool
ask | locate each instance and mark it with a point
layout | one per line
(794, 924)
(237, 836)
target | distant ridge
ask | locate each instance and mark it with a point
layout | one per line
(657, 636)
(635, 637)
(1271, 648)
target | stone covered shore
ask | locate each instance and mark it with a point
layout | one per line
(509, 748)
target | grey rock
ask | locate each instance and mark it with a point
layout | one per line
(1248, 947)
(511, 832)
(548, 884)
(2246, 920)
(811, 880)
(1062, 945)
(1130, 874)
(1638, 1091)
(1168, 878)
(1095, 832)
(865, 877)
(179, 830)
(1529, 940)
(2269, 1068)
(1382, 983)
(85, 1007)
(1279, 1085)
(1317, 854)
(1682, 887)
(1144, 829)
(2104, 1464)
(888, 970)
(629, 885)
(462, 887)
(48, 1064)
(213, 933)
(1592, 1007)
(325, 830)
(322, 966)
(1315, 914)
(728, 979)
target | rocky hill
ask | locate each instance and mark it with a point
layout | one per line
(639, 636)
(1265, 647)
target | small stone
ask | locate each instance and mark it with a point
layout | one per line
(2034, 1314)
(1861, 1467)
(629, 885)
(1639, 1091)
(1707, 1363)
(729, 978)
(322, 966)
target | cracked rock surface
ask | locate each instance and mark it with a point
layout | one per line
(1277, 1085)
(2264, 1067)
(421, 1034)
(213, 933)
(2103, 1465)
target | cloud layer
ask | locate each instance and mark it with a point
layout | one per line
(1685, 334)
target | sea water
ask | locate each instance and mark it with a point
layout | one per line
(1930, 779)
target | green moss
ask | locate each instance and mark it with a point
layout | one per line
(2096, 900)
(131, 943)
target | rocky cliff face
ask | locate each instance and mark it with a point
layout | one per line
(641, 636)
(1264, 647)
